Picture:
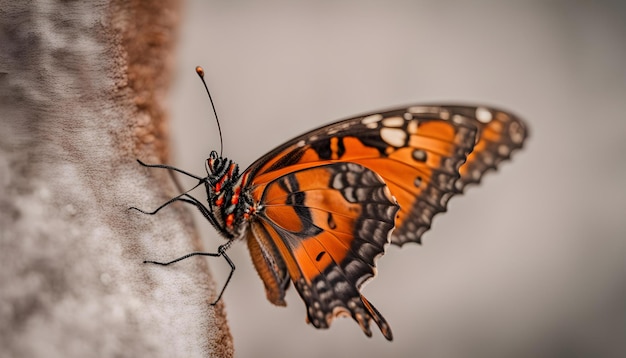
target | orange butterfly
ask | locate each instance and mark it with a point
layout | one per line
(318, 210)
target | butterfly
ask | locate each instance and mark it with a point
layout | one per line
(318, 210)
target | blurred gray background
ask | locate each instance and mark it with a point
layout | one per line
(532, 263)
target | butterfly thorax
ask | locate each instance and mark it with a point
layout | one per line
(229, 202)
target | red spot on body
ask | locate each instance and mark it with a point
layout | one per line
(229, 219)
(235, 198)
(248, 213)
(219, 201)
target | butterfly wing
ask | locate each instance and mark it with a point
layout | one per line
(422, 154)
(323, 226)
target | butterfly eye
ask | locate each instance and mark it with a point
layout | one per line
(213, 162)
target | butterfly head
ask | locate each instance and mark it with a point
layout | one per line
(222, 172)
(216, 166)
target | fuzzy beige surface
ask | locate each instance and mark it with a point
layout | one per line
(81, 91)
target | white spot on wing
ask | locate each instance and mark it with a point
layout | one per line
(483, 115)
(419, 155)
(504, 150)
(374, 118)
(393, 136)
(393, 122)
(516, 132)
(459, 119)
(444, 114)
(412, 127)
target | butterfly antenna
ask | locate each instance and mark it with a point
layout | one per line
(200, 72)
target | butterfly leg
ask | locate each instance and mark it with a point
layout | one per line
(221, 251)
(178, 198)
(163, 166)
(208, 214)
(191, 200)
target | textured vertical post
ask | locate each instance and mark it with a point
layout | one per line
(81, 90)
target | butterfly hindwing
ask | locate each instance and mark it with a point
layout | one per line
(327, 223)
(269, 263)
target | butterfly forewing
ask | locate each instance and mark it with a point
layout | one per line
(418, 150)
